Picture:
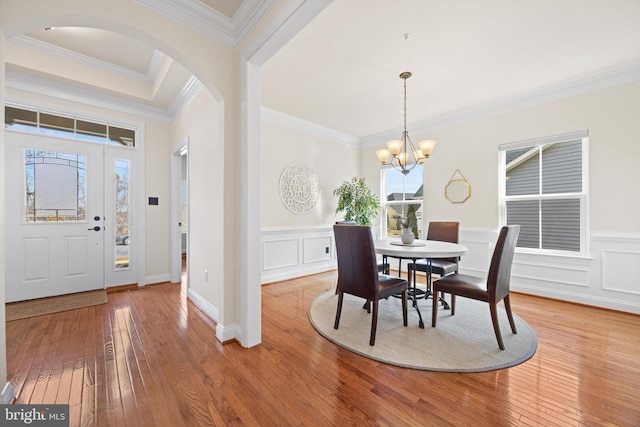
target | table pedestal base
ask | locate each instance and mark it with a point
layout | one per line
(414, 293)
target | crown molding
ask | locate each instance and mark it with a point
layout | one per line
(191, 88)
(182, 98)
(248, 15)
(628, 73)
(79, 58)
(294, 123)
(210, 22)
(285, 24)
(154, 65)
(69, 92)
(612, 77)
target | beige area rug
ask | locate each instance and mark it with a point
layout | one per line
(465, 342)
(39, 307)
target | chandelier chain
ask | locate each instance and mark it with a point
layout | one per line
(405, 105)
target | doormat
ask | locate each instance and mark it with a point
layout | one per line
(39, 307)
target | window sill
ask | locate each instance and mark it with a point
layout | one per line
(551, 256)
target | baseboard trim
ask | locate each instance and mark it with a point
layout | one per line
(207, 308)
(160, 278)
(578, 298)
(8, 396)
(228, 334)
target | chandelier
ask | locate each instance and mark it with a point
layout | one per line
(401, 154)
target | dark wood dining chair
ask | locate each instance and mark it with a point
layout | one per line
(358, 273)
(443, 232)
(383, 266)
(493, 289)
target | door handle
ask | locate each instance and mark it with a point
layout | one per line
(96, 228)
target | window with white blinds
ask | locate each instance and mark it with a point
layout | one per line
(543, 186)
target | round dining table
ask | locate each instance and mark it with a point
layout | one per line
(418, 249)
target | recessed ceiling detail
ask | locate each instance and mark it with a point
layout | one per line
(147, 76)
(102, 68)
(209, 21)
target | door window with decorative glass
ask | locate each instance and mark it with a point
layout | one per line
(55, 186)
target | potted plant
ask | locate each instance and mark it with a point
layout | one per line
(401, 221)
(357, 201)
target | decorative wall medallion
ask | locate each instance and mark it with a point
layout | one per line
(298, 188)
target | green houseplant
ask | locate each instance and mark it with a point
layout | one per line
(357, 201)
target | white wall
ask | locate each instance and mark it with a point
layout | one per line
(332, 162)
(300, 244)
(7, 389)
(198, 124)
(157, 217)
(608, 276)
(609, 115)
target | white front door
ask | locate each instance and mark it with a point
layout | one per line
(54, 216)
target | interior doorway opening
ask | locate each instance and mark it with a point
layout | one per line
(184, 215)
(180, 216)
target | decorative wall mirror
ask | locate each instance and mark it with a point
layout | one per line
(458, 189)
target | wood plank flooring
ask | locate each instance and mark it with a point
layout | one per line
(150, 358)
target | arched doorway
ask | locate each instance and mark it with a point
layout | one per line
(155, 129)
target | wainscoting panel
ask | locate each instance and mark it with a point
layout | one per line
(293, 252)
(480, 244)
(557, 273)
(280, 254)
(608, 277)
(621, 271)
(316, 249)
(552, 271)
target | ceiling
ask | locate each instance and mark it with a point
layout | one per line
(342, 70)
(110, 68)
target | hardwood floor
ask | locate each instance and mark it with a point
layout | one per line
(150, 358)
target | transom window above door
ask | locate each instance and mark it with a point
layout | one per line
(33, 120)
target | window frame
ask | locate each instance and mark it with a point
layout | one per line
(384, 202)
(583, 195)
(72, 132)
